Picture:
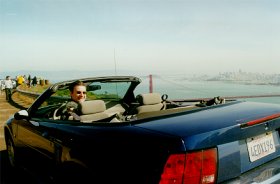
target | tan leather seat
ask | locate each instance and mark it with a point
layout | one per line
(93, 111)
(149, 102)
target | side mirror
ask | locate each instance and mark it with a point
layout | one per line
(22, 114)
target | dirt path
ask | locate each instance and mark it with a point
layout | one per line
(6, 110)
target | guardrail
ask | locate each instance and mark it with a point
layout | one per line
(30, 97)
(28, 93)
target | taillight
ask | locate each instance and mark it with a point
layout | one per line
(192, 168)
(173, 169)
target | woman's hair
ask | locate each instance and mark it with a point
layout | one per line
(76, 83)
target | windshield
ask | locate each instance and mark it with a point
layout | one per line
(107, 90)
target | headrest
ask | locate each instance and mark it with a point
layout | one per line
(149, 98)
(93, 106)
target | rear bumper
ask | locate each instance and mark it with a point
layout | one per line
(267, 173)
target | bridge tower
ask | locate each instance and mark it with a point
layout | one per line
(150, 83)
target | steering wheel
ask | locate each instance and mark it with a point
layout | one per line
(57, 112)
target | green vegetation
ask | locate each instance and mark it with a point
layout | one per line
(66, 92)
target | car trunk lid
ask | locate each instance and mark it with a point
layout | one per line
(246, 134)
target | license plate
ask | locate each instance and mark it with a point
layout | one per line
(260, 146)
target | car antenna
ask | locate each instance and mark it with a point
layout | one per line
(115, 70)
(115, 62)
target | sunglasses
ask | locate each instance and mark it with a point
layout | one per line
(80, 92)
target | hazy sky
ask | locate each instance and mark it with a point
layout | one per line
(198, 36)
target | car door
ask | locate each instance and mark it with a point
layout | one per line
(36, 136)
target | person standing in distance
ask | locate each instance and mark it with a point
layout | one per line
(8, 88)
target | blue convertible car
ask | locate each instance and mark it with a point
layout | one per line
(122, 137)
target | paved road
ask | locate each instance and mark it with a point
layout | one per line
(7, 174)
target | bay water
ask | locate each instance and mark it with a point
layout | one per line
(187, 89)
